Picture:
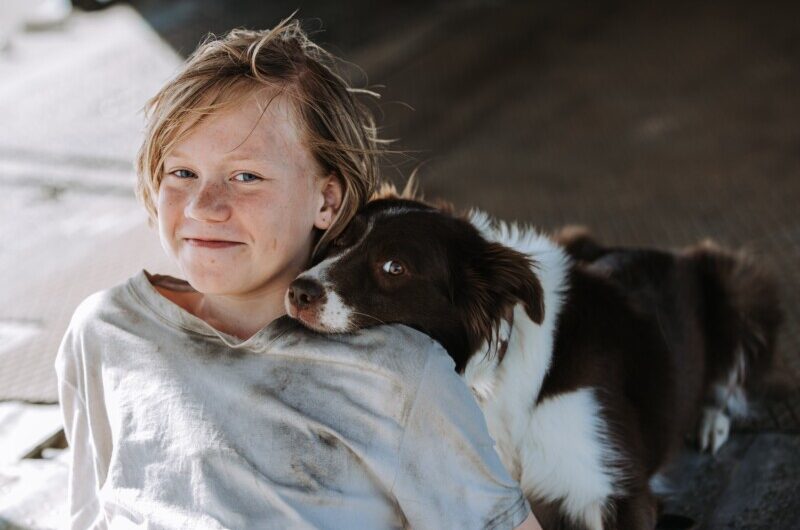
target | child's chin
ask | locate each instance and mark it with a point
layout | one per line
(212, 283)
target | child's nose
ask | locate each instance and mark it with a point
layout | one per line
(209, 203)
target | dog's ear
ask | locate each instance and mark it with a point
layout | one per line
(496, 279)
(512, 280)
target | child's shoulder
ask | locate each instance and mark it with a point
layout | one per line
(394, 347)
(105, 305)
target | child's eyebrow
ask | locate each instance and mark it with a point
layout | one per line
(176, 154)
(248, 157)
(230, 156)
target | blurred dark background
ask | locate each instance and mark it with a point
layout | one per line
(653, 123)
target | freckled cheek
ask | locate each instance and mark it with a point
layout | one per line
(170, 208)
(277, 221)
(170, 201)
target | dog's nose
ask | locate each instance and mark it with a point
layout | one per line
(304, 292)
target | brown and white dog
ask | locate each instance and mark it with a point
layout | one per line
(589, 364)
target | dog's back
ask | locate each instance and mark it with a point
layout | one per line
(719, 312)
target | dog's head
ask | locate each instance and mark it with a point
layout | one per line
(404, 261)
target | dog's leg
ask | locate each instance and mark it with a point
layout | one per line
(727, 398)
(714, 430)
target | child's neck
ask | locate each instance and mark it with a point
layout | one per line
(240, 318)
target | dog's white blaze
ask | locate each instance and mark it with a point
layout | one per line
(334, 315)
(319, 272)
(559, 450)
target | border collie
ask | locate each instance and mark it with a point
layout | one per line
(589, 363)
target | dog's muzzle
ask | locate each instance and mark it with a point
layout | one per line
(317, 306)
(304, 293)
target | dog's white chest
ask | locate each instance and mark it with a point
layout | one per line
(558, 450)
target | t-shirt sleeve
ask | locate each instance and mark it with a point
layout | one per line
(86, 430)
(449, 475)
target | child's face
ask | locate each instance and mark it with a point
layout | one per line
(252, 183)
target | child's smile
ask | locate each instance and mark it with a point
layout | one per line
(202, 243)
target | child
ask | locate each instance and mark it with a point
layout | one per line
(198, 404)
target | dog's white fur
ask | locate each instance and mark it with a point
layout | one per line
(334, 315)
(560, 449)
(730, 401)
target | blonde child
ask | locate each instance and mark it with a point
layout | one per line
(198, 403)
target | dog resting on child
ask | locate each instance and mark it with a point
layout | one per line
(589, 363)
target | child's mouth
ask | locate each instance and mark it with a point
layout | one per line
(212, 244)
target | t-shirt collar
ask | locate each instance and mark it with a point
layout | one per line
(142, 283)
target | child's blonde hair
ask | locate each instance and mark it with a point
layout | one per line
(338, 129)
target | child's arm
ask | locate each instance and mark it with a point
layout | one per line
(449, 475)
(87, 433)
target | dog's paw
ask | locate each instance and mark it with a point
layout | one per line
(715, 426)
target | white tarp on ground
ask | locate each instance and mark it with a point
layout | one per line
(70, 109)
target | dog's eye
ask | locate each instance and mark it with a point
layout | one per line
(393, 267)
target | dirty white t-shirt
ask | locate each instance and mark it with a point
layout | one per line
(174, 424)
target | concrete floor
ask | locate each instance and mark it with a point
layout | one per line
(654, 124)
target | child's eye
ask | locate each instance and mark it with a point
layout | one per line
(179, 173)
(247, 177)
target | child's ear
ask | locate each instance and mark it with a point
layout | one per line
(330, 200)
